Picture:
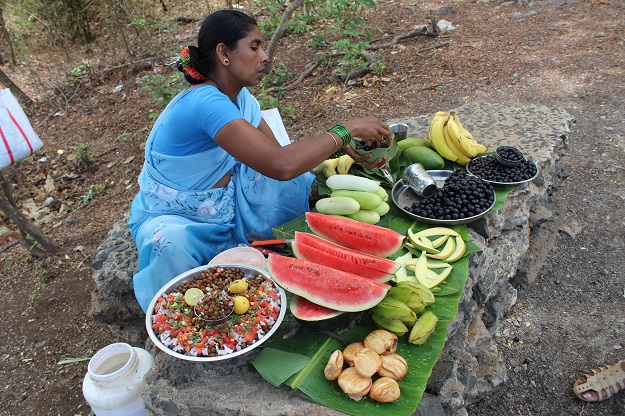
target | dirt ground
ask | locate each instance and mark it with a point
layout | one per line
(559, 53)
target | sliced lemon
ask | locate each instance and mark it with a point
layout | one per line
(193, 296)
(241, 305)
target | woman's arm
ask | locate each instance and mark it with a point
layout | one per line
(259, 149)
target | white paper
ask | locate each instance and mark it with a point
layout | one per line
(274, 120)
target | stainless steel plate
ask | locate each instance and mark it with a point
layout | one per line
(250, 271)
(403, 196)
(501, 183)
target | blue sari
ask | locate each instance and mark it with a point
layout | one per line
(179, 222)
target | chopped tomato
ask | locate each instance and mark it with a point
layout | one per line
(200, 346)
(249, 337)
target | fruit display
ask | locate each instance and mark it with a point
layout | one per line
(309, 247)
(507, 166)
(451, 140)
(349, 292)
(462, 196)
(373, 368)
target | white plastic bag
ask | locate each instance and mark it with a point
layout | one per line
(18, 140)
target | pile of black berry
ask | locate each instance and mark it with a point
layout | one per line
(510, 153)
(362, 145)
(462, 196)
(488, 168)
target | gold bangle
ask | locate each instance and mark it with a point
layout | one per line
(336, 143)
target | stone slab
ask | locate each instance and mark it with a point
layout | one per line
(470, 366)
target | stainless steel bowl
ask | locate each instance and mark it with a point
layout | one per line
(249, 271)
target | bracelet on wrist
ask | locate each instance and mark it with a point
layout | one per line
(337, 152)
(343, 133)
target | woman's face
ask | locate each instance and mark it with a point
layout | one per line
(247, 61)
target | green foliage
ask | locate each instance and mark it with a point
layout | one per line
(94, 192)
(81, 70)
(122, 137)
(163, 89)
(42, 273)
(84, 154)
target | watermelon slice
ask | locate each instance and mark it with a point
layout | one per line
(324, 285)
(303, 309)
(324, 252)
(368, 238)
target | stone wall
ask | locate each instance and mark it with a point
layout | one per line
(470, 366)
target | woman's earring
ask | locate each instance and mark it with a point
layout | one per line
(226, 61)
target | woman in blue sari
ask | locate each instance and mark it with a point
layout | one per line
(214, 172)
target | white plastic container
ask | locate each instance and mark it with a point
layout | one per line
(114, 382)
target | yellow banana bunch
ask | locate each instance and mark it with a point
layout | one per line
(437, 136)
(451, 140)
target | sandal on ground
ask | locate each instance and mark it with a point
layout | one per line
(601, 383)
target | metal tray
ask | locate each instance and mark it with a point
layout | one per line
(249, 271)
(502, 183)
(403, 196)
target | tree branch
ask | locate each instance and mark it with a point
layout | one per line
(273, 44)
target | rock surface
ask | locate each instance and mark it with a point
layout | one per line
(470, 366)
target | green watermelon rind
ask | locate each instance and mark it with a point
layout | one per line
(313, 254)
(350, 255)
(324, 285)
(301, 307)
(368, 238)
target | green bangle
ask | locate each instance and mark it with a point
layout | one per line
(343, 133)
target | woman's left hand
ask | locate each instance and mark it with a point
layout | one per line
(362, 159)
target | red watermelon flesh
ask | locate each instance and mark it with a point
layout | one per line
(368, 238)
(349, 255)
(303, 309)
(312, 254)
(324, 285)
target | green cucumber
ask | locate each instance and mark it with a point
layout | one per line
(367, 200)
(382, 209)
(366, 216)
(340, 205)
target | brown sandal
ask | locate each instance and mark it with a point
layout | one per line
(601, 383)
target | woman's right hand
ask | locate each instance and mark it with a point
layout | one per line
(370, 129)
(373, 131)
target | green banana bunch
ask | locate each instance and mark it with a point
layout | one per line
(390, 308)
(423, 328)
(395, 326)
(397, 312)
(418, 289)
(394, 316)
